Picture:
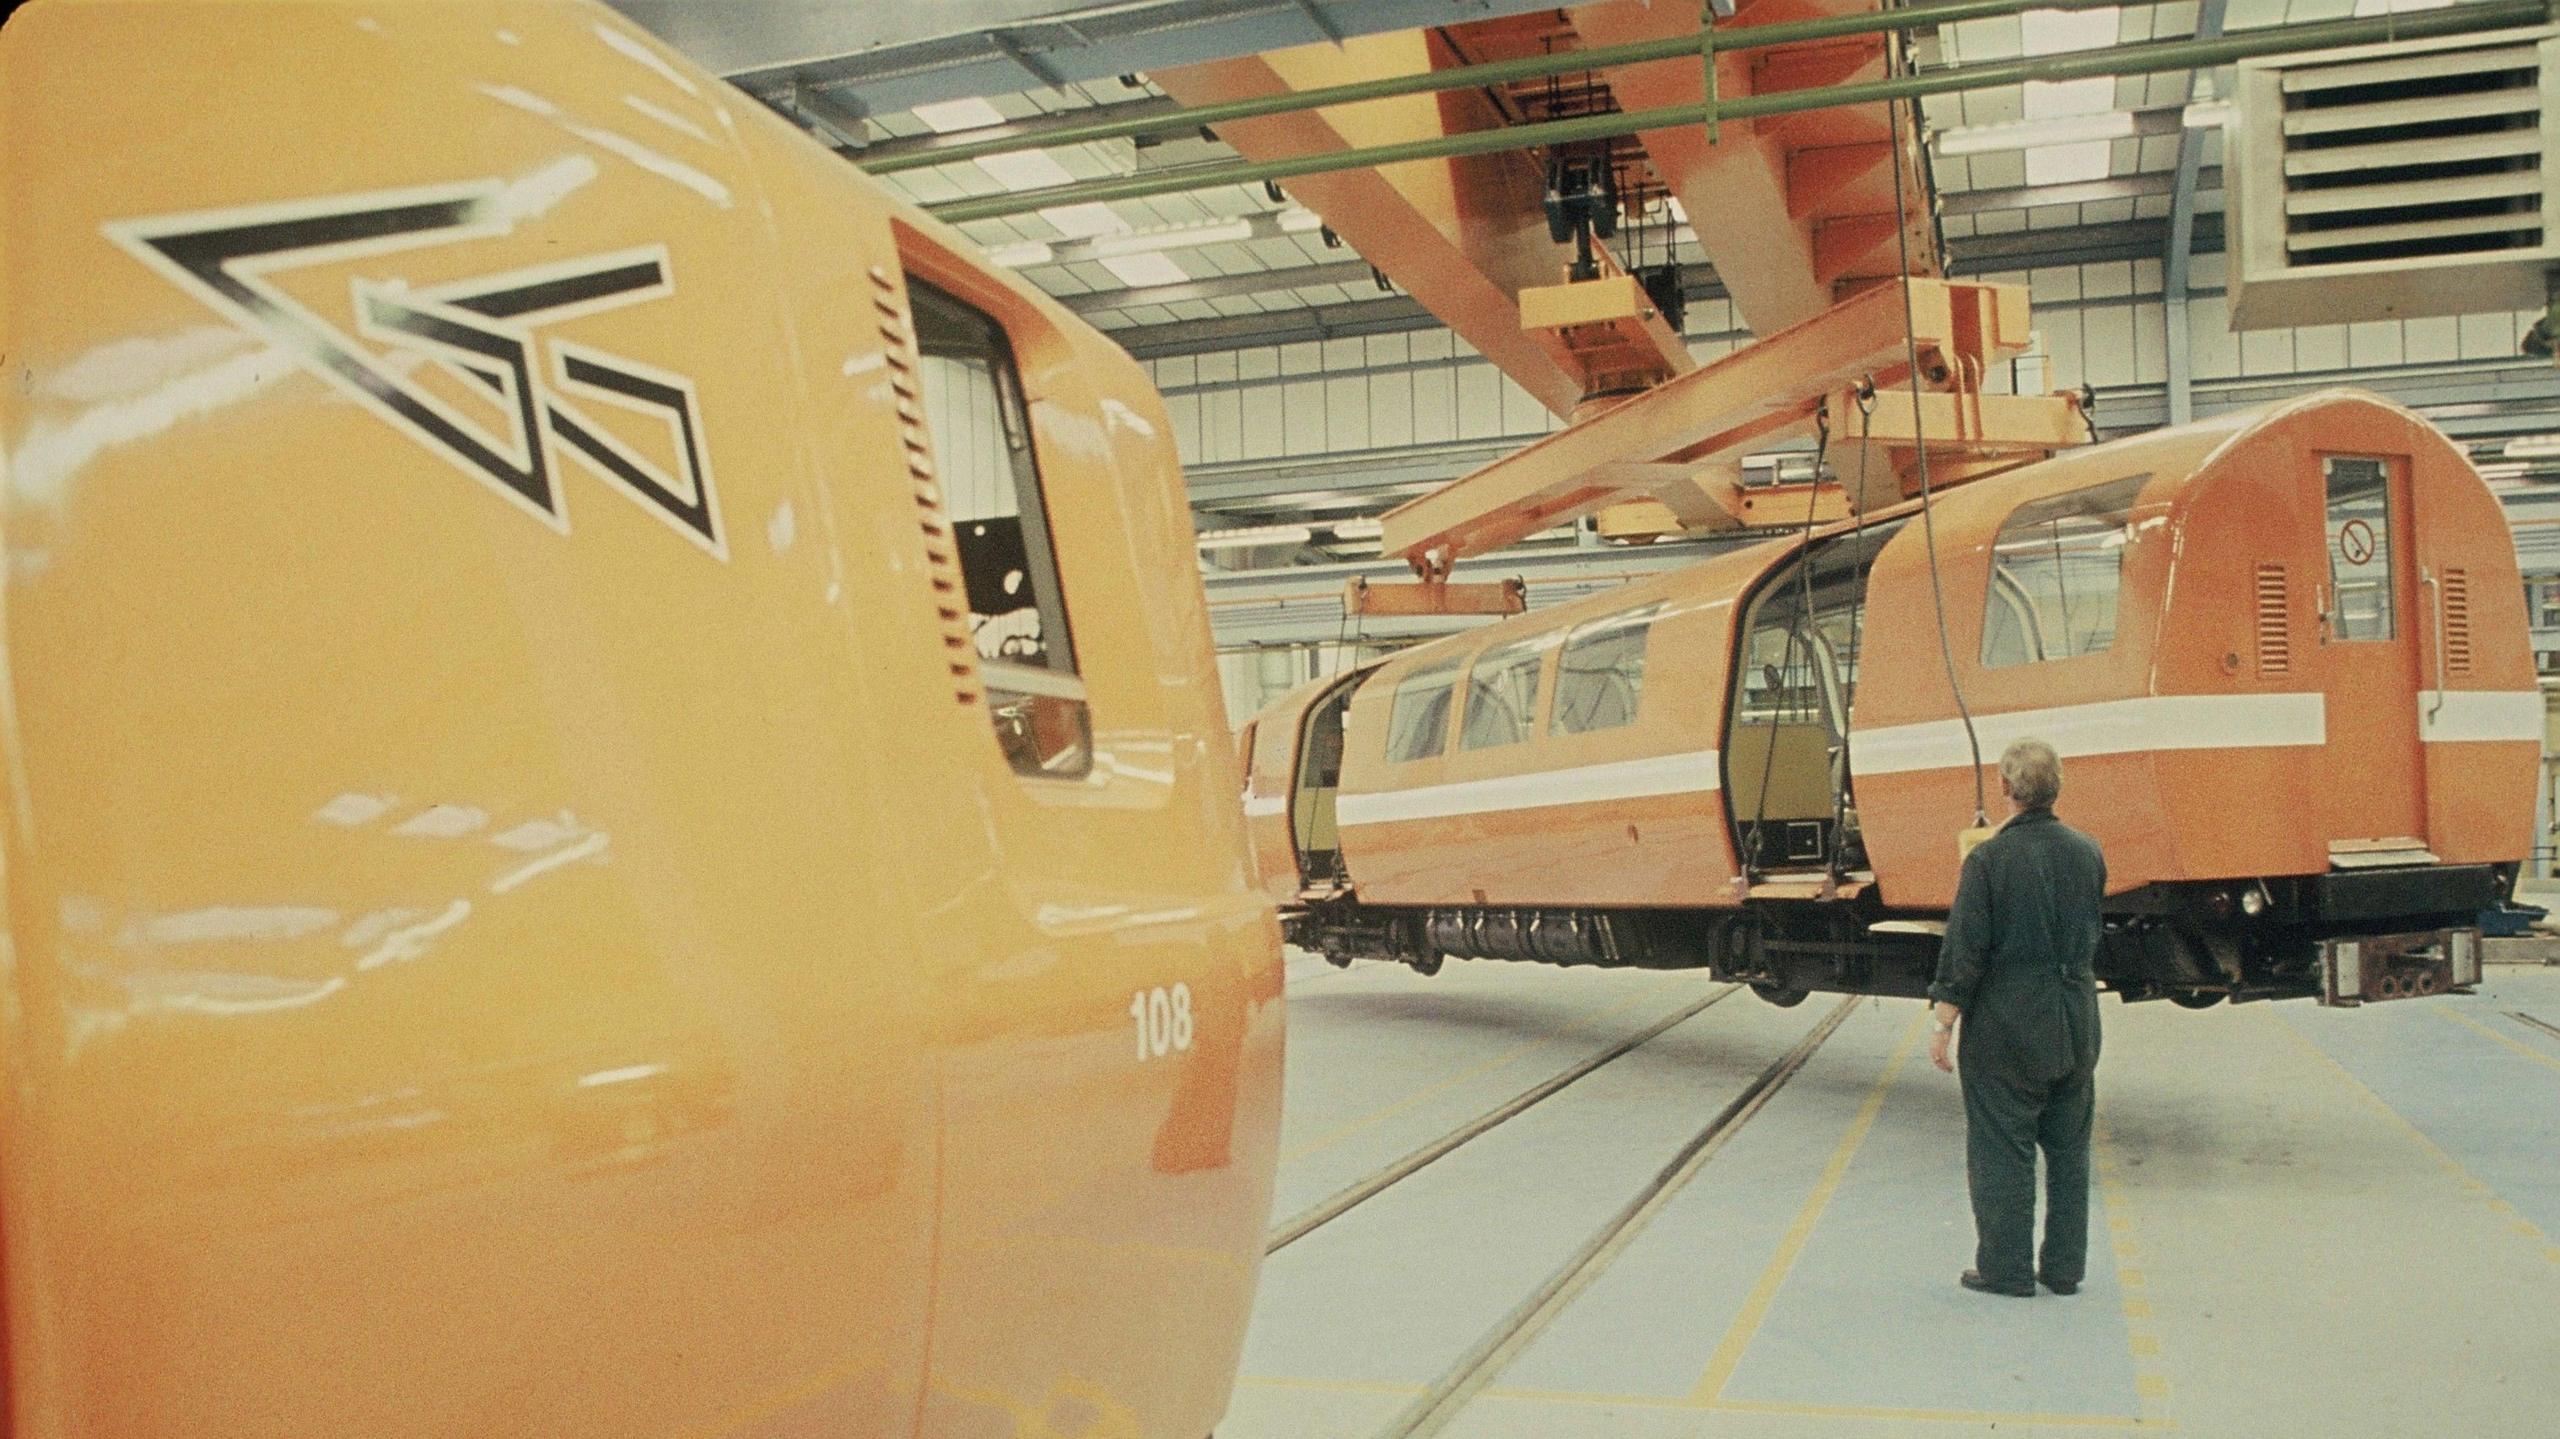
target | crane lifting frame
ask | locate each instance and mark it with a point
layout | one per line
(1678, 432)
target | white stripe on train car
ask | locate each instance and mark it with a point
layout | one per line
(1258, 805)
(2479, 715)
(2152, 722)
(1692, 772)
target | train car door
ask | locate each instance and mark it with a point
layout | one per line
(1317, 780)
(2370, 624)
(1787, 728)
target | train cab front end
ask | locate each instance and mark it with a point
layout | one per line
(2339, 565)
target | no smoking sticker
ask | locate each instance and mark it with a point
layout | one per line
(2356, 542)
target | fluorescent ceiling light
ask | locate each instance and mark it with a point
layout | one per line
(2027, 134)
(944, 116)
(2533, 447)
(1256, 535)
(1296, 221)
(2057, 32)
(1358, 529)
(1021, 253)
(1026, 170)
(2394, 7)
(1083, 222)
(1143, 242)
(1147, 269)
(2070, 164)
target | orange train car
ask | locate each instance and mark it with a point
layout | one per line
(2282, 652)
(580, 689)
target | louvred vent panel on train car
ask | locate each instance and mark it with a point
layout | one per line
(2457, 621)
(2275, 643)
(2412, 178)
(941, 552)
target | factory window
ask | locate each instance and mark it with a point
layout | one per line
(2546, 604)
(990, 483)
(1502, 694)
(2056, 566)
(2359, 533)
(1600, 675)
(1418, 719)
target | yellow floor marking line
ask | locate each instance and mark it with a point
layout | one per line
(2150, 1386)
(1823, 1411)
(1755, 1309)
(2452, 1165)
(2509, 1040)
(1936, 1416)
(1341, 1132)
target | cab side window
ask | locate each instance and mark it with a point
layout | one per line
(1418, 716)
(991, 490)
(1502, 694)
(2056, 567)
(1600, 675)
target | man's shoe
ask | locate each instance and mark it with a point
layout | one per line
(1972, 1279)
(2063, 1286)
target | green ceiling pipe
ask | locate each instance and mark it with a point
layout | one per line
(2123, 60)
(1467, 77)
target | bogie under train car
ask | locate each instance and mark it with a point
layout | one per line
(2282, 653)
(580, 688)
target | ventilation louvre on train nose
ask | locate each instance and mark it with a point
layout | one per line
(2275, 641)
(2457, 621)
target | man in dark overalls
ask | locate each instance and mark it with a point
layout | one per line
(2015, 965)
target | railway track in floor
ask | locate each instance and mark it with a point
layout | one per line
(1440, 1402)
(2546, 1026)
(1298, 1226)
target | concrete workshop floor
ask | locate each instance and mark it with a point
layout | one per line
(2308, 1221)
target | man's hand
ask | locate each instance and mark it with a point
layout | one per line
(1942, 1036)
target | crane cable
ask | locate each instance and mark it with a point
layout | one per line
(1787, 661)
(1864, 397)
(1928, 509)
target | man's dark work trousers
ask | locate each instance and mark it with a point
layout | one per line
(2016, 961)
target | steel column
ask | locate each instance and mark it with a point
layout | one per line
(2182, 234)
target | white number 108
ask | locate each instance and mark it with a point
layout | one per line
(1163, 1020)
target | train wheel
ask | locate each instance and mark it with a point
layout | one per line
(2195, 998)
(1427, 963)
(1781, 995)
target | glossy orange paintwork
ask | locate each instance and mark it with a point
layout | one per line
(468, 974)
(2182, 799)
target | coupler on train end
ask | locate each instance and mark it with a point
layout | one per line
(2374, 967)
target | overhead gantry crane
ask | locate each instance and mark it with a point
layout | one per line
(1777, 130)
(1798, 212)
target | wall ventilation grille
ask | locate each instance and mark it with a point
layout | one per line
(2275, 641)
(2415, 155)
(2412, 178)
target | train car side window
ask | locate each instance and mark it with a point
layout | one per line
(1418, 718)
(991, 490)
(2360, 560)
(1502, 694)
(2056, 567)
(1600, 675)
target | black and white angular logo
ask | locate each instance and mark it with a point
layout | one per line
(485, 330)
